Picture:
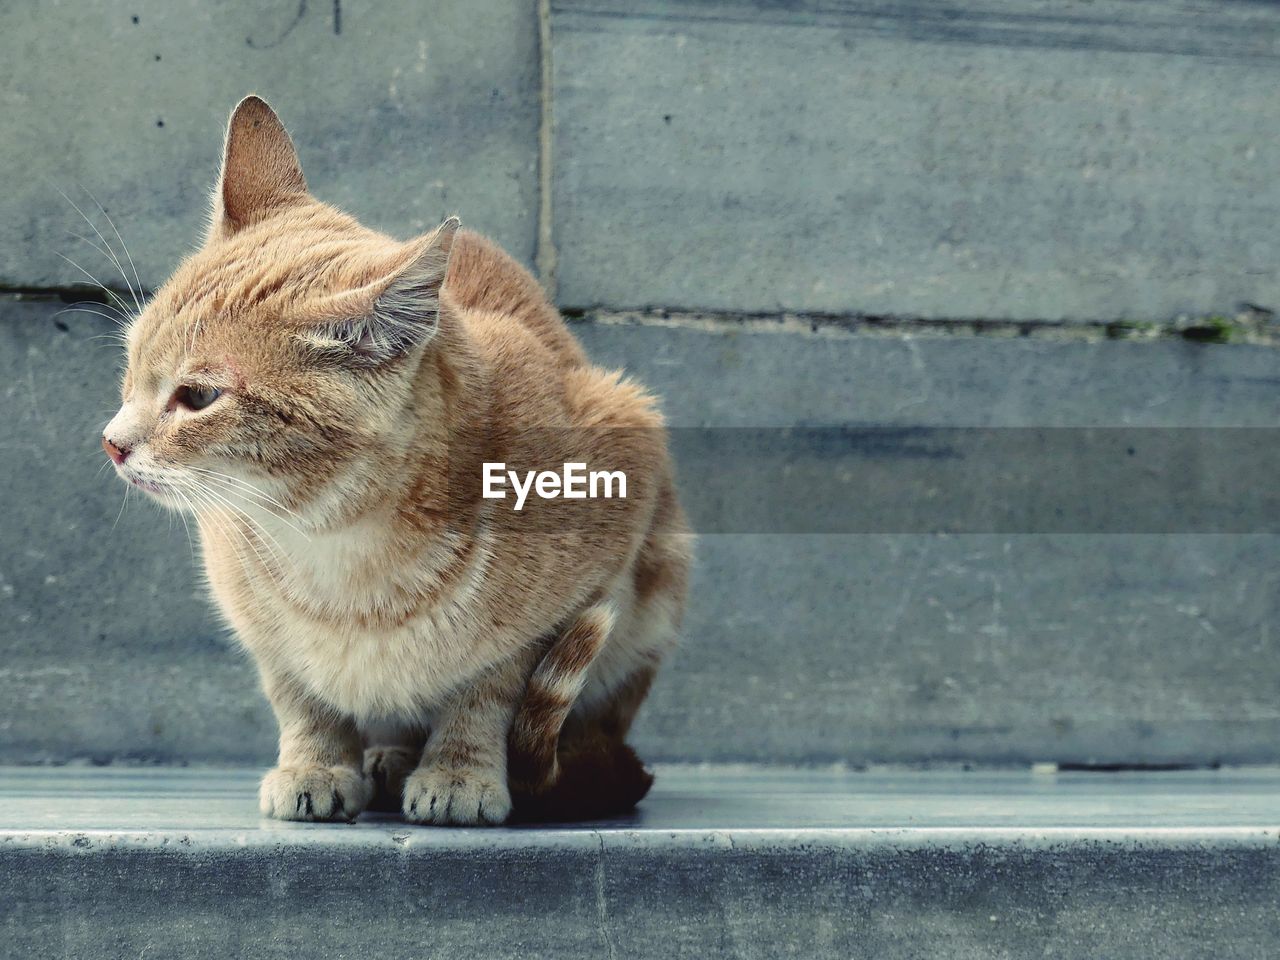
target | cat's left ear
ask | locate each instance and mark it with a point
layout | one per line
(397, 312)
(260, 169)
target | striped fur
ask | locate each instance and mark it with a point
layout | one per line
(553, 690)
(399, 622)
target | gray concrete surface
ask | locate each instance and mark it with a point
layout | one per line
(113, 863)
(858, 648)
(689, 804)
(1024, 160)
(1027, 160)
(403, 113)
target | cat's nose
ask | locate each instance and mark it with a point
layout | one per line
(114, 451)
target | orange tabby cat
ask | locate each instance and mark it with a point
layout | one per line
(323, 399)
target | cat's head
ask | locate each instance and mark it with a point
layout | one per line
(282, 354)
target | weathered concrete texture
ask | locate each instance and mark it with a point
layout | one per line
(729, 376)
(1032, 160)
(403, 112)
(1090, 649)
(893, 647)
(131, 863)
(1093, 648)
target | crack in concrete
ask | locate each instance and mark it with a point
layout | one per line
(289, 28)
(602, 903)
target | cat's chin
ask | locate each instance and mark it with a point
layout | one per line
(149, 486)
(158, 490)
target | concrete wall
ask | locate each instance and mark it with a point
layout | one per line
(1026, 160)
(1021, 162)
(1029, 160)
(404, 113)
(1101, 647)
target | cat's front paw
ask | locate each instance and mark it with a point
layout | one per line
(438, 795)
(314, 793)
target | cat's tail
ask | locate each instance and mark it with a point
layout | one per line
(595, 774)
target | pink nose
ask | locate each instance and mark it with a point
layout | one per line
(116, 453)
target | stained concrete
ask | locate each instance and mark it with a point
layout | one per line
(1031, 160)
(402, 112)
(107, 863)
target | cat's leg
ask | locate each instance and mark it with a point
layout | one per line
(318, 775)
(393, 752)
(462, 778)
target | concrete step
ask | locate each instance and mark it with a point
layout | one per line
(737, 862)
(1002, 158)
(1015, 159)
(901, 644)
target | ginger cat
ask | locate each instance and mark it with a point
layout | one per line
(322, 398)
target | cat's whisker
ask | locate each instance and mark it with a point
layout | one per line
(123, 503)
(208, 512)
(124, 246)
(80, 305)
(109, 255)
(249, 488)
(255, 528)
(214, 483)
(94, 227)
(119, 311)
(117, 336)
(97, 246)
(96, 282)
(195, 330)
(183, 500)
(118, 340)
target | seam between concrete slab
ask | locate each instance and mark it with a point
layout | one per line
(1250, 328)
(545, 252)
(1253, 327)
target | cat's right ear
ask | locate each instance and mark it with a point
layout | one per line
(260, 169)
(394, 313)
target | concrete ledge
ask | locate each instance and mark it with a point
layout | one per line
(120, 862)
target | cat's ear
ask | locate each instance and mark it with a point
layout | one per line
(260, 169)
(400, 310)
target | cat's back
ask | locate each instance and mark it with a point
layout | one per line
(484, 278)
(542, 377)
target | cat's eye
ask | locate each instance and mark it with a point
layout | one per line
(195, 398)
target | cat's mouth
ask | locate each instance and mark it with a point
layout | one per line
(147, 483)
